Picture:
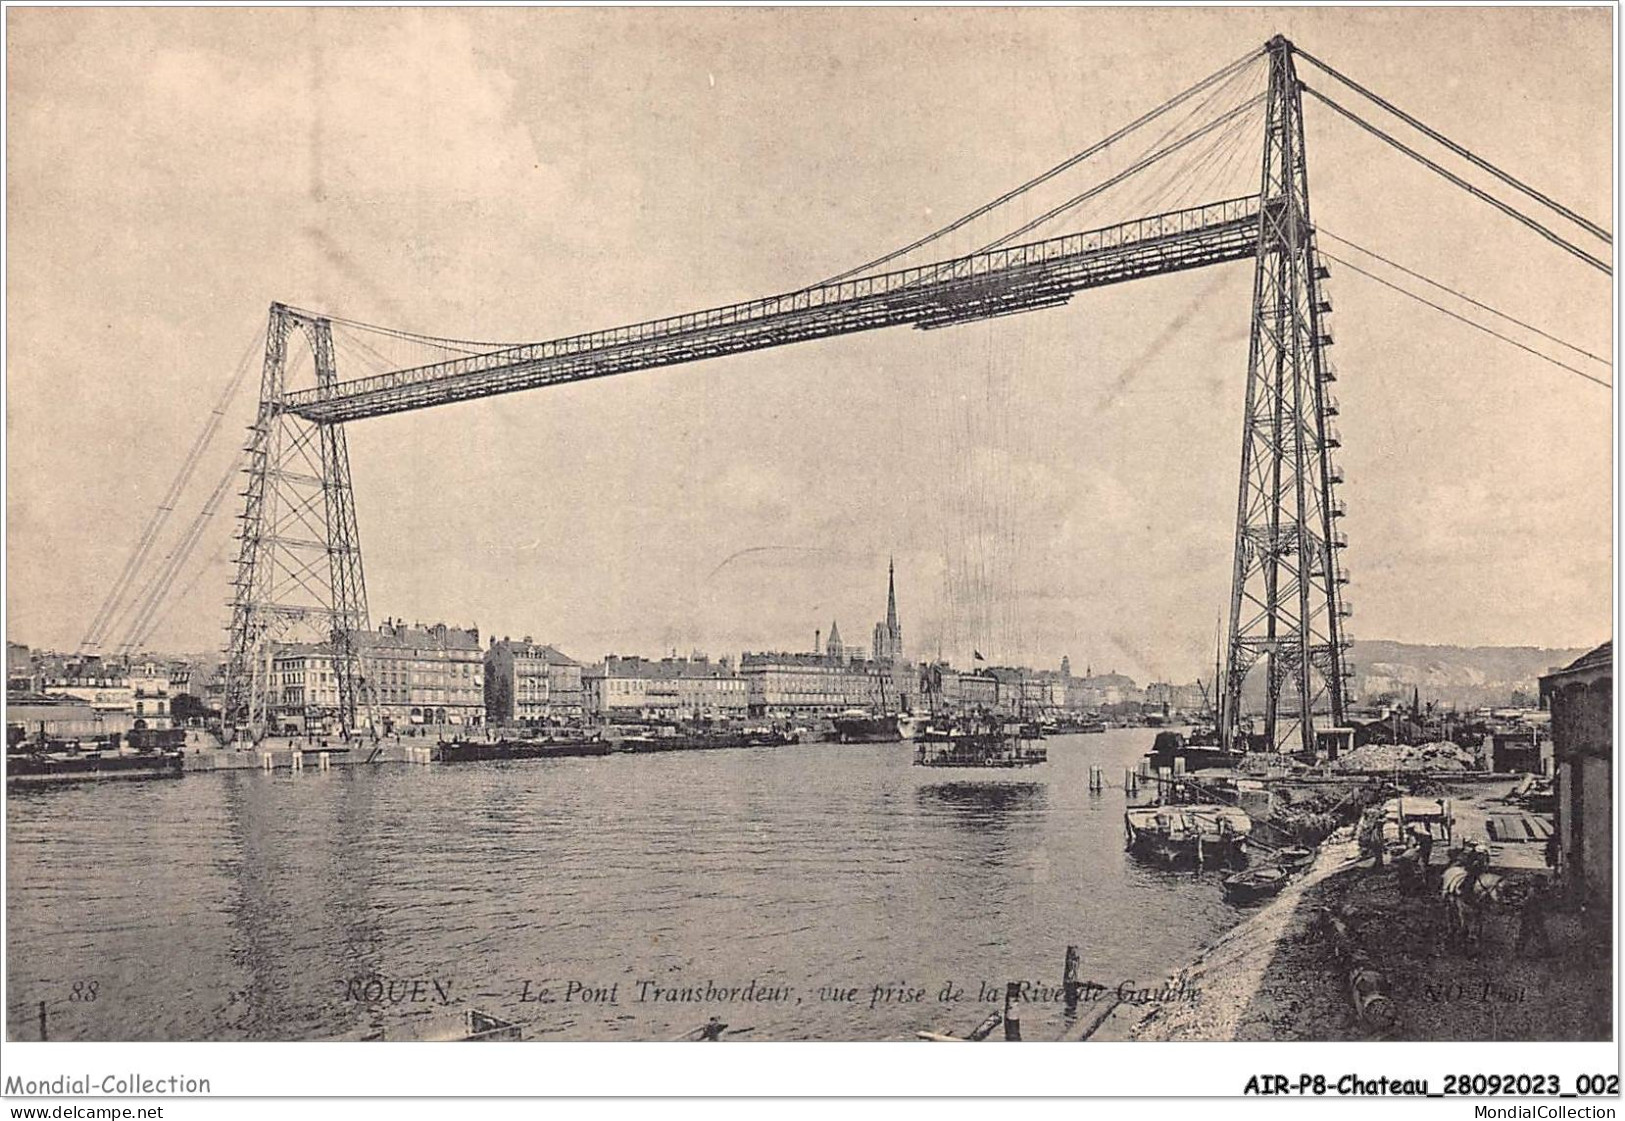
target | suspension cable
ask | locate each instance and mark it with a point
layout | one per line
(1464, 319)
(468, 346)
(114, 605)
(1461, 151)
(1510, 211)
(1324, 232)
(146, 618)
(1151, 198)
(1070, 162)
(1122, 175)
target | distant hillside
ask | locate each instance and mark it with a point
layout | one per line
(1464, 676)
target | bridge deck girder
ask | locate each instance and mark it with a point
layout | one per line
(978, 286)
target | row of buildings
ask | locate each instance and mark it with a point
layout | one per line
(444, 676)
(94, 695)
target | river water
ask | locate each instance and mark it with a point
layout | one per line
(622, 897)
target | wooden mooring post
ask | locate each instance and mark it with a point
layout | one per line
(1070, 986)
(1012, 1012)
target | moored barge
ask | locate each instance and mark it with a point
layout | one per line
(483, 751)
(29, 768)
(706, 741)
(1203, 834)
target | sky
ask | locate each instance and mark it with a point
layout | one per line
(1057, 483)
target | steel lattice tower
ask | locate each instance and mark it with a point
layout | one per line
(299, 574)
(1286, 607)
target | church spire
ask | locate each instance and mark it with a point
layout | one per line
(889, 635)
(891, 595)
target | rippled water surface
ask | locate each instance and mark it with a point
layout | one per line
(382, 901)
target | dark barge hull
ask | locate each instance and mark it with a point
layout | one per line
(1198, 754)
(701, 743)
(1171, 853)
(31, 770)
(475, 752)
(867, 729)
(869, 736)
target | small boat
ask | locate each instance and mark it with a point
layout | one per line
(1294, 859)
(1254, 884)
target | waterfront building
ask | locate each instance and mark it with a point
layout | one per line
(979, 691)
(1176, 698)
(425, 675)
(1044, 691)
(36, 715)
(627, 688)
(639, 689)
(812, 685)
(1580, 697)
(149, 695)
(19, 667)
(304, 692)
(1094, 691)
(530, 682)
(102, 682)
(416, 675)
(939, 686)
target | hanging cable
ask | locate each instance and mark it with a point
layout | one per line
(114, 605)
(466, 346)
(1323, 231)
(1122, 175)
(1464, 153)
(1509, 211)
(1064, 165)
(146, 618)
(220, 554)
(1150, 199)
(1186, 179)
(1464, 319)
(1144, 204)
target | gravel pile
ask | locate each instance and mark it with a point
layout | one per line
(1441, 755)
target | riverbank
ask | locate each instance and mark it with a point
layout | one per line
(1278, 976)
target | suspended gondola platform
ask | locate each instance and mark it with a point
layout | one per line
(978, 749)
